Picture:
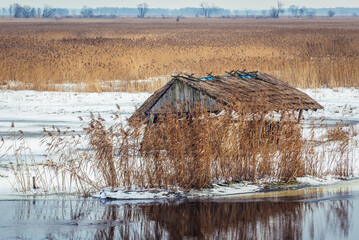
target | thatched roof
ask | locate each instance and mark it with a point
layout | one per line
(239, 86)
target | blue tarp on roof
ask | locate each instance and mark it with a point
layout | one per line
(207, 78)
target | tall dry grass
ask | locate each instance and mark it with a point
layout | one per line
(30, 174)
(304, 52)
(194, 150)
(190, 151)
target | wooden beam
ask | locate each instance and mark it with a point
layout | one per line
(300, 115)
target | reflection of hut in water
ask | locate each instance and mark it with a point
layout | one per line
(229, 220)
(252, 220)
(215, 92)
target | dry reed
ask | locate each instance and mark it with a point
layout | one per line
(189, 150)
(306, 53)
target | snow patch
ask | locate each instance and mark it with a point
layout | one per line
(315, 181)
(217, 190)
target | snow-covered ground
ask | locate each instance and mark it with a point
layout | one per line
(340, 104)
(32, 111)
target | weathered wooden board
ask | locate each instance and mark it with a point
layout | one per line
(181, 95)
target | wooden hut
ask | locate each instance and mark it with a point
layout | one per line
(215, 92)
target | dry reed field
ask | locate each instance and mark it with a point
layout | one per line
(184, 152)
(38, 54)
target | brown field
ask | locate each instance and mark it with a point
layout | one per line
(38, 54)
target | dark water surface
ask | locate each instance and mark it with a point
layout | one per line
(317, 213)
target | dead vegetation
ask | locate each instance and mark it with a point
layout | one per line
(186, 151)
(306, 53)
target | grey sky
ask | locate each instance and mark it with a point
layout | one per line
(229, 4)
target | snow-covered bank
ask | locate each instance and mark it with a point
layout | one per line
(32, 111)
(221, 190)
(215, 191)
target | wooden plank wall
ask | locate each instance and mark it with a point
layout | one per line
(180, 93)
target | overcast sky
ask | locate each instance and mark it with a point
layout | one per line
(228, 4)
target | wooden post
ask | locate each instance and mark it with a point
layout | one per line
(300, 115)
(33, 182)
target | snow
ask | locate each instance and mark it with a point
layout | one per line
(31, 111)
(135, 195)
(219, 190)
(315, 181)
(340, 104)
(215, 191)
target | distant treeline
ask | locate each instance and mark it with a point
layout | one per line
(158, 11)
(340, 11)
(18, 11)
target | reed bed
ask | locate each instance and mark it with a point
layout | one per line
(188, 151)
(304, 52)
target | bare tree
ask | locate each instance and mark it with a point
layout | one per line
(33, 13)
(303, 11)
(38, 12)
(142, 10)
(11, 9)
(293, 9)
(331, 13)
(18, 10)
(26, 11)
(276, 11)
(48, 12)
(207, 9)
(86, 12)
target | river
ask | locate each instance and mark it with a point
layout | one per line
(329, 212)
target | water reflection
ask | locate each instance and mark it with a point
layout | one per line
(248, 220)
(254, 220)
(313, 216)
